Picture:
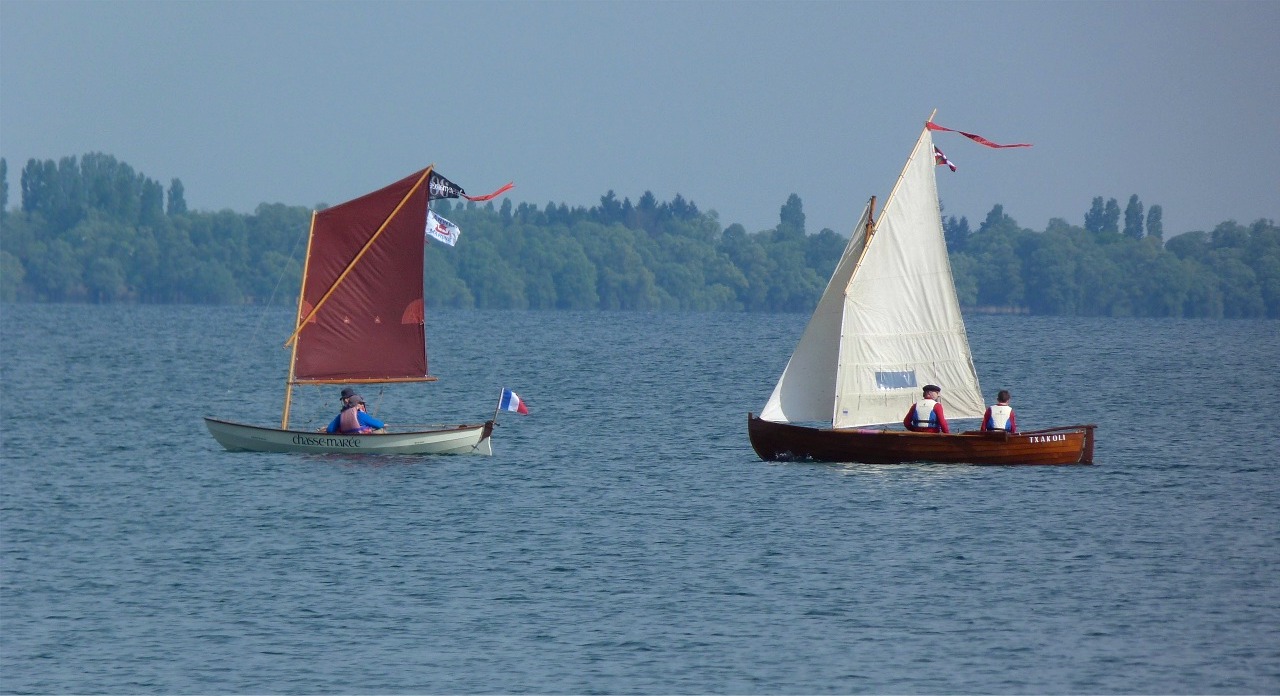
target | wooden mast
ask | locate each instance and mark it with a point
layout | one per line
(293, 355)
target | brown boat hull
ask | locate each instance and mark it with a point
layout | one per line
(784, 441)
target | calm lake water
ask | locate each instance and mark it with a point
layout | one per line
(624, 538)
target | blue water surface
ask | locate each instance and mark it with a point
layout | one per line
(624, 538)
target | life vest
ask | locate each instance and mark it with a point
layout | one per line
(349, 422)
(924, 416)
(999, 419)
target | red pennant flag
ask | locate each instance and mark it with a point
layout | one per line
(975, 138)
(491, 196)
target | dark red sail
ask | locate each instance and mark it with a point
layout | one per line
(369, 323)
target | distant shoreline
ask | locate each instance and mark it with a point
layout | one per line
(995, 309)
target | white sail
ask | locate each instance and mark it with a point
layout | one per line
(888, 323)
(806, 389)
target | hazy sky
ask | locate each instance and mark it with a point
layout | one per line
(734, 105)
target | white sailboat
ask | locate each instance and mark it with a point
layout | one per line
(888, 323)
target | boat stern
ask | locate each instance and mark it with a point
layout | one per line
(485, 445)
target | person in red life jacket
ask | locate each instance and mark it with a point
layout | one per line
(1000, 416)
(925, 415)
(354, 419)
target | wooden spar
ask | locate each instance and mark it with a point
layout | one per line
(426, 173)
(896, 184)
(866, 244)
(935, 113)
(293, 356)
(367, 380)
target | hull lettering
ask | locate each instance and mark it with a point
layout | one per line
(316, 441)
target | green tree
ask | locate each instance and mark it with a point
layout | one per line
(54, 192)
(442, 286)
(177, 263)
(212, 283)
(1264, 258)
(1053, 287)
(956, 233)
(1111, 217)
(55, 273)
(1241, 292)
(151, 203)
(1096, 218)
(1100, 282)
(1156, 282)
(998, 223)
(964, 273)
(1204, 296)
(1192, 245)
(791, 218)
(823, 250)
(622, 280)
(998, 268)
(610, 210)
(177, 198)
(490, 277)
(1155, 222)
(104, 279)
(93, 229)
(757, 267)
(577, 278)
(1133, 218)
(4, 188)
(12, 275)
(1229, 235)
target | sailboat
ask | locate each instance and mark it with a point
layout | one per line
(889, 323)
(361, 320)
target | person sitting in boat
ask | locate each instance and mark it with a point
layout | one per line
(925, 415)
(354, 418)
(1000, 416)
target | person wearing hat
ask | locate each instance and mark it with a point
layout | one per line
(354, 419)
(1000, 416)
(925, 415)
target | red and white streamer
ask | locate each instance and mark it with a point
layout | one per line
(975, 138)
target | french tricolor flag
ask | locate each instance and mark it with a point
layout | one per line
(511, 402)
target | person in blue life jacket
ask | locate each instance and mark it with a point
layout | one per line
(354, 419)
(1000, 416)
(925, 415)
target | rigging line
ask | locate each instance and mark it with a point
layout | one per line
(323, 414)
(262, 315)
(293, 256)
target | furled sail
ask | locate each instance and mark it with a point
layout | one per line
(888, 323)
(370, 328)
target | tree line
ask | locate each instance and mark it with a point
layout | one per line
(91, 229)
